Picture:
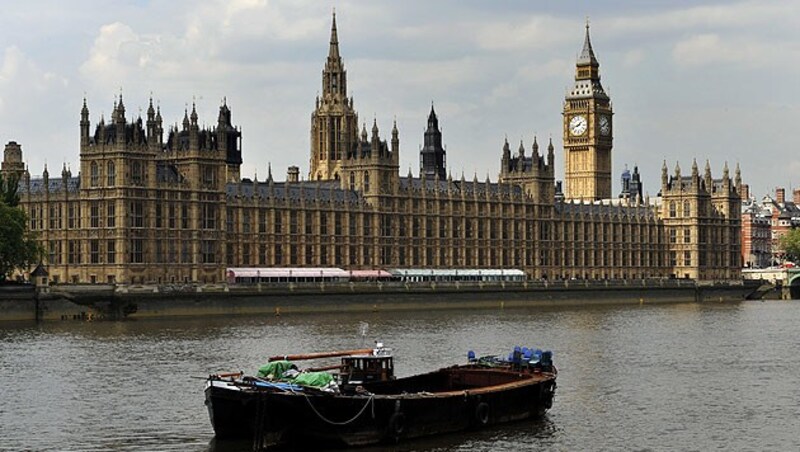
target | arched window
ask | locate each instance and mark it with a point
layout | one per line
(111, 174)
(687, 209)
(137, 173)
(94, 171)
(352, 181)
(366, 181)
(672, 209)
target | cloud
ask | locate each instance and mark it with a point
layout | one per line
(534, 32)
(740, 16)
(712, 49)
(117, 53)
(23, 83)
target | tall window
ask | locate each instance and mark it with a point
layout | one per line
(687, 209)
(246, 221)
(74, 214)
(209, 216)
(208, 251)
(94, 251)
(111, 253)
(262, 221)
(137, 173)
(54, 252)
(137, 251)
(94, 171)
(672, 209)
(352, 181)
(229, 220)
(159, 215)
(74, 255)
(111, 215)
(366, 181)
(94, 214)
(136, 214)
(184, 216)
(111, 174)
(171, 215)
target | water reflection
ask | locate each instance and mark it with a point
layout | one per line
(527, 435)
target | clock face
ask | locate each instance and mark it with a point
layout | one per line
(605, 126)
(577, 125)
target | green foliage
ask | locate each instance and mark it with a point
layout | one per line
(8, 191)
(18, 247)
(790, 243)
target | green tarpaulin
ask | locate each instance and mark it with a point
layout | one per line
(274, 370)
(315, 379)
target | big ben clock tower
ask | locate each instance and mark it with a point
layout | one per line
(587, 131)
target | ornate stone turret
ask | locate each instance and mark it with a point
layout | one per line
(229, 142)
(12, 165)
(533, 173)
(395, 140)
(738, 179)
(432, 155)
(84, 124)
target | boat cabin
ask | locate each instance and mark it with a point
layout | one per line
(359, 369)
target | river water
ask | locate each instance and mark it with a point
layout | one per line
(666, 377)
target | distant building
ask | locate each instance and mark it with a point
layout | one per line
(150, 208)
(756, 233)
(631, 185)
(784, 215)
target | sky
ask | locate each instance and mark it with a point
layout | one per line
(688, 80)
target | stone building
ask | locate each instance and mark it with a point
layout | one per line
(146, 208)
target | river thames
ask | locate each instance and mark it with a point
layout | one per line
(666, 377)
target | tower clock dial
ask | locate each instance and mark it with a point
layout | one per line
(577, 125)
(605, 126)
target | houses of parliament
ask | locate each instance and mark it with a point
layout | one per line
(165, 206)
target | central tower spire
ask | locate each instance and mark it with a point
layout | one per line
(333, 52)
(334, 123)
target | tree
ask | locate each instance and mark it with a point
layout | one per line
(790, 242)
(8, 190)
(18, 247)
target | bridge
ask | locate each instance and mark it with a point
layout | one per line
(785, 282)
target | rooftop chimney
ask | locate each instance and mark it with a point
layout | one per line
(745, 192)
(796, 196)
(780, 195)
(293, 174)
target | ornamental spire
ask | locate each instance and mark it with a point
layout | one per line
(587, 54)
(333, 52)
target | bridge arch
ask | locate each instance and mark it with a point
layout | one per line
(793, 283)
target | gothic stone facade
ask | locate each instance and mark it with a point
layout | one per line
(145, 209)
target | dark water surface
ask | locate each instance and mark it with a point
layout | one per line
(669, 377)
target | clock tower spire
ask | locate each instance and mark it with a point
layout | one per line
(587, 130)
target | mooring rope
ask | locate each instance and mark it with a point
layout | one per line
(370, 400)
